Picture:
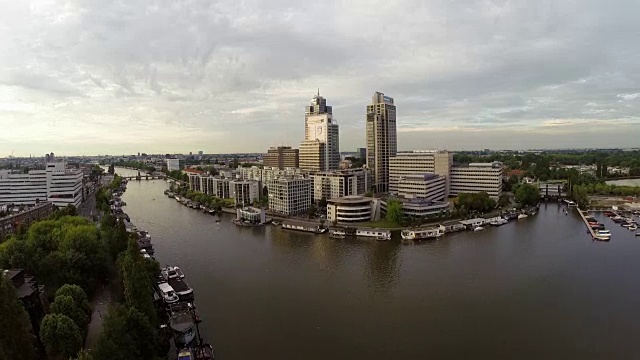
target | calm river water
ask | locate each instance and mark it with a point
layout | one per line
(537, 288)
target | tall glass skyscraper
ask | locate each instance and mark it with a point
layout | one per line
(381, 138)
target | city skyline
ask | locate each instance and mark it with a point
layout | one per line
(100, 78)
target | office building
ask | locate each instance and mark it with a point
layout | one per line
(338, 184)
(381, 138)
(268, 173)
(408, 163)
(56, 184)
(174, 164)
(281, 157)
(423, 186)
(477, 177)
(320, 126)
(289, 195)
(353, 209)
(313, 155)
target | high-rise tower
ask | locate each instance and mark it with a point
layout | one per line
(381, 138)
(320, 150)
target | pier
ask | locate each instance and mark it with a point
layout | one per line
(591, 230)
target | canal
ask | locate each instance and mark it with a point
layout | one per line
(536, 288)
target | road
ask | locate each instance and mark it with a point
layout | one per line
(100, 305)
(88, 207)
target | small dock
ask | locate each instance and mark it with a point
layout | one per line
(591, 230)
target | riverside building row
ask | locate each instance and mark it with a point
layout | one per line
(56, 184)
(240, 191)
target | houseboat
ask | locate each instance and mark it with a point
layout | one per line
(184, 291)
(478, 228)
(304, 226)
(423, 233)
(375, 233)
(182, 323)
(166, 293)
(338, 234)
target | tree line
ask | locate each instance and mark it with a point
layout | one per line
(71, 256)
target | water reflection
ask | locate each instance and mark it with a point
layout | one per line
(381, 265)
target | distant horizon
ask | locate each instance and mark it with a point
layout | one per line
(345, 151)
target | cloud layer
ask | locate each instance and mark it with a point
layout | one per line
(93, 76)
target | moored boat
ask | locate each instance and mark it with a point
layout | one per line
(478, 228)
(603, 234)
(422, 233)
(171, 272)
(182, 323)
(338, 234)
(522, 216)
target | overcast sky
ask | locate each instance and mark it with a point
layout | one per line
(113, 77)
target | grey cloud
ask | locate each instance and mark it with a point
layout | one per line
(203, 73)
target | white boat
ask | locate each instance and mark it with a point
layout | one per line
(478, 228)
(603, 234)
(633, 227)
(498, 222)
(339, 234)
(172, 272)
(378, 234)
(167, 293)
(424, 233)
(523, 216)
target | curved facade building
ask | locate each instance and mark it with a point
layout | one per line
(353, 209)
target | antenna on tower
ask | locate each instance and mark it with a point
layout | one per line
(318, 91)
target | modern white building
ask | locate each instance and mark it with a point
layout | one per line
(418, 207)
(477, 177)
(245, 191)
(174, 164)
(289, 195)
(382, 141)
(425, 186)
(338, 184)
(419, 162)
(353, 209)
(320, 126)
(55, 184)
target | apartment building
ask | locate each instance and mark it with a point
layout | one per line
(477, 177)
(289, 195)
(241, 191)
(338, 184)
(421, 162)
(55, 184)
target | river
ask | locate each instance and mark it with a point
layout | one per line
(536, 288)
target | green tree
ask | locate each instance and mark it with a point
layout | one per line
(312, 211)
(77, 294)
(527, 195)
(65, 305)
(503, 200)
(60, 336)
(136, 282)
(127, 334)
(322, 203)
(16, 339)
(395, 213)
